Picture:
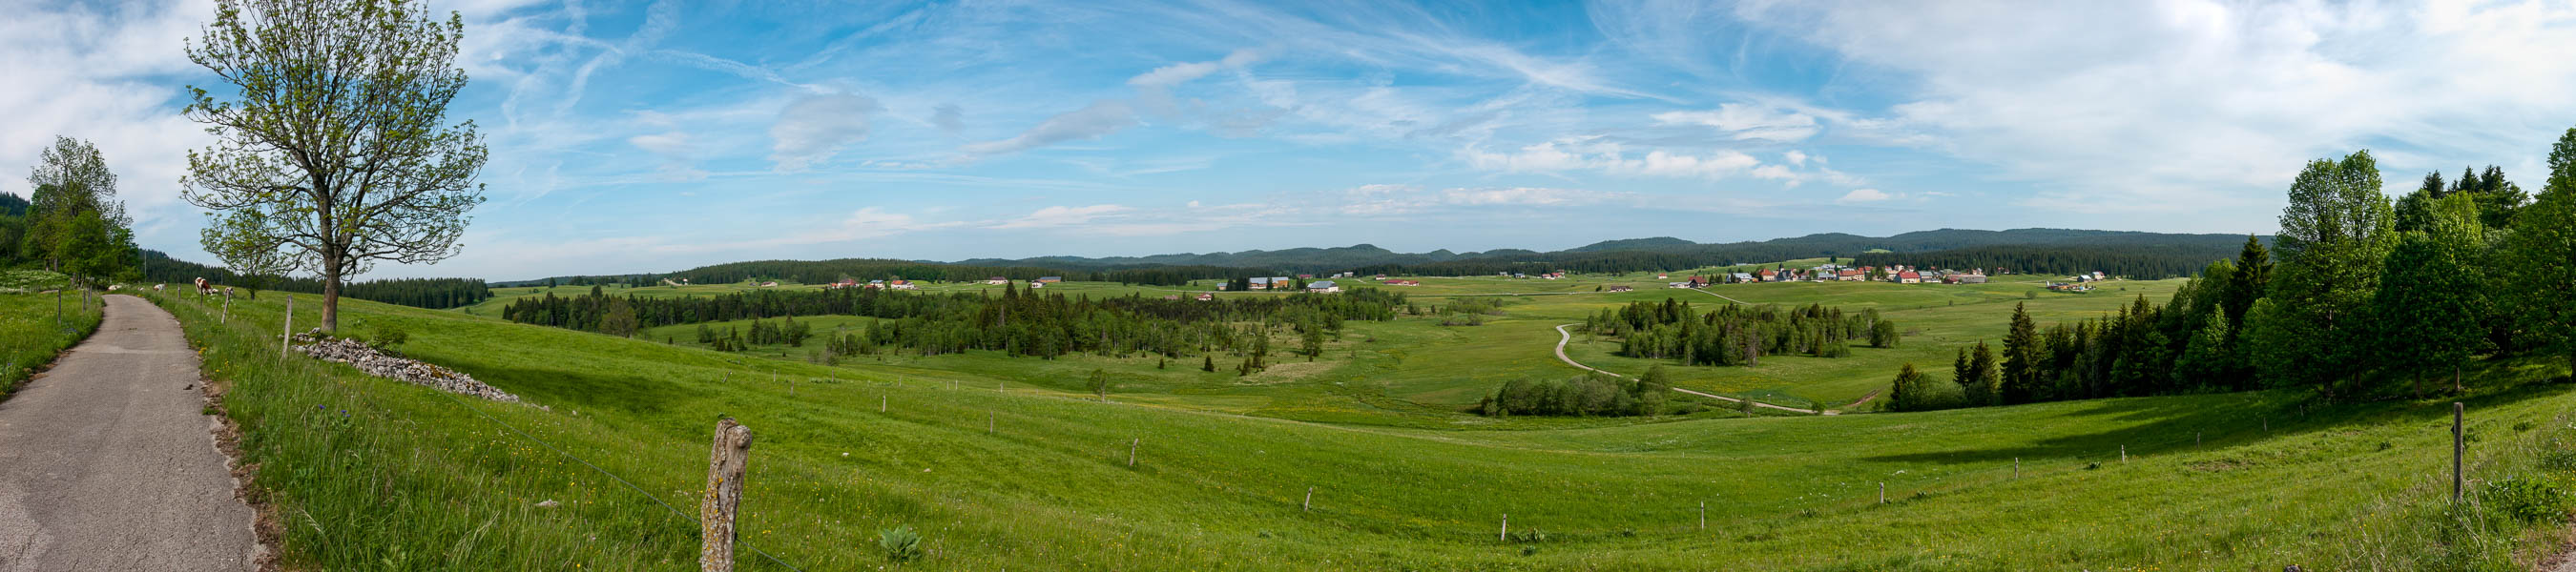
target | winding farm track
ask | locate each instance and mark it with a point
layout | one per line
(1565, 336)
(108, 461)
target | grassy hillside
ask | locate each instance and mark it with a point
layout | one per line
(30, 335)
(374, 474)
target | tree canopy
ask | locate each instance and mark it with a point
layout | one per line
(335, 152)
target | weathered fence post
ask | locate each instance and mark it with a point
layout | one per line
(2124, 453)
(228, 311)
(2195, 439)
(2016, 467)
(881, 403)
(1131, 451)
(1703, 515)
(284, 337)
(1882, 492)
(725, 465)
(1309, 505)
(2459, 446)
(1506, 534)
(988, 422)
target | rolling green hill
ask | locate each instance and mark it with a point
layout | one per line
(1006, 464)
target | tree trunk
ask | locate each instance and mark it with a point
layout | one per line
(331, 295)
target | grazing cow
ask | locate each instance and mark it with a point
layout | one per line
(202, 288)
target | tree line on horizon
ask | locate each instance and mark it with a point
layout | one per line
(2359, 296)
(1017, 322)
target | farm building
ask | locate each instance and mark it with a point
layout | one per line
(1325, 286)
(1909, 277)
(1621, 288)
(1050, 279)
(996, 281)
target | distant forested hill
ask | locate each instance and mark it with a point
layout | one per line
(2140, 254)
(2044, 250)
(435, 293)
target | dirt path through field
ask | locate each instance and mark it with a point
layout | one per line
(1563, 336)
(108, 461)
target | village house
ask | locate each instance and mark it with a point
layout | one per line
(904, 285)
(1909, 277)
(1621, 288)
(1305, 277)
(1677, 285)
(1698, 281)
(1743, 277)
(1401, 282)
(1848, 275)
(1323, 286)
(996, 281)
(1206, 297)
(1769, 275)
(1050, 279)
(769, 284)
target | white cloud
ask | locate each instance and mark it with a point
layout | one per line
(1593, 154)
(812, 128)
(1403, 199)
(2201, 105)
(1796, 157)
(1176, 74)
(1857, 196)
(1746, 122)
(1091, 122)
(671, 143)
(1056, 216)
(99, 73)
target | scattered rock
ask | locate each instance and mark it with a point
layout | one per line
(550, 503)
(377, 363)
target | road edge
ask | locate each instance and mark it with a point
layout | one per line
(225, 436)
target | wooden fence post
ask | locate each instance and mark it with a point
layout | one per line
(725, 465)
(2016, 467)
(1703, 515)
(2459, 446)
(1506, 534)
(2124, 453)
(1131, 451)
(1882, 492)
(1309, 505)
(289, 334)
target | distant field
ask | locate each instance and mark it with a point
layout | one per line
(1397, 372)
(411, 479)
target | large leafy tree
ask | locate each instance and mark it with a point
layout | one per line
(2541, 255)
(336, 153)
(2337, 228)
(2426, 310)
(71, 179)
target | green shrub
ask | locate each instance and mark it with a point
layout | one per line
(901, 544)
(385, 337)
(2526, 499)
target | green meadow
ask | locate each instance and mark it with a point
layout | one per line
(1009, 463)
(30, 332)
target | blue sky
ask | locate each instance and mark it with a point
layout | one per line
(656, 136)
